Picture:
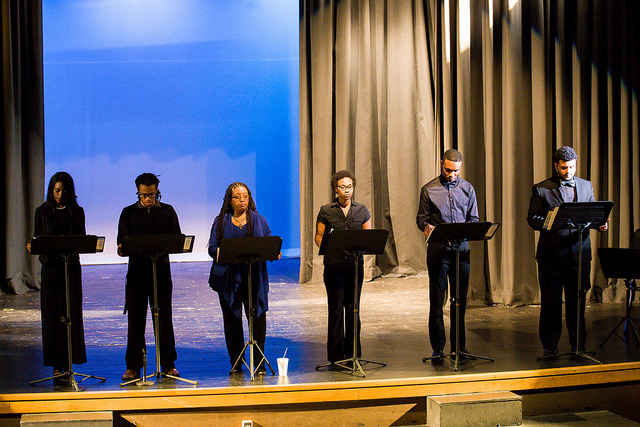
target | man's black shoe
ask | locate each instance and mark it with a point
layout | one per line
(236, 370)
(550, 354)
(465, 355)
(437, 357)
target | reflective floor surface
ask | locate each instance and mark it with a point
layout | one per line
(394, 314)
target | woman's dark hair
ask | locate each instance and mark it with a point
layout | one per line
(69, 188)
(342, 174)
(50, 203)
(227, 208)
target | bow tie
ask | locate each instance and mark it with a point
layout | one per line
(571, 183)
(450, 184)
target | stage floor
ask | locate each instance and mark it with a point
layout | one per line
(394, 314)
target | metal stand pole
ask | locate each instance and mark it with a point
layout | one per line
(69, 375)
(579, 350)
(458, 355)
(353, 363)
(251, 343)
(627, 319)
(155, 309)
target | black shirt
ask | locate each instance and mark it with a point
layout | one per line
(332, 216)
(136, 220)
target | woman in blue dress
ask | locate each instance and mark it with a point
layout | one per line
(239, 218)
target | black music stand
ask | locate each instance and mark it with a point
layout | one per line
(154, 246)
(66, 247)
(248, 250)
(580, 216)
(455, 234)
(621, 263)
(355, 244)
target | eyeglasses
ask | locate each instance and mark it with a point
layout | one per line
(240, 198)
(344, 187)
(147, 195)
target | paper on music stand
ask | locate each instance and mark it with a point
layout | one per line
(188, 244)
(100, 244)
(593, 213)
(470, 231)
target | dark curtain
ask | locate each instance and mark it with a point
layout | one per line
(23, 139)
(386, 86)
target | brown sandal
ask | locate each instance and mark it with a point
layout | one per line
(130, 374)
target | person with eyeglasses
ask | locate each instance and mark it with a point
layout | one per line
(60, 215)
(344, 213)
(148, 216)
(446, 199)
(239, 217)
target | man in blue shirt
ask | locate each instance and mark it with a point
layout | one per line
(446, 199)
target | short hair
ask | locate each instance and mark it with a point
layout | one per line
(564, 153)
(342, 174)
(452, 155)
(147, 179)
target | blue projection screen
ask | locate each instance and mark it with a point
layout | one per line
(200, 92)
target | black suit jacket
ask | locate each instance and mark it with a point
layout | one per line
(558, 246)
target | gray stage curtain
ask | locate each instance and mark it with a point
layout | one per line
(387, 86)
(22, 134)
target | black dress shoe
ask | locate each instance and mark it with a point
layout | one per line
(59, 377)
(466, 355)
(550, 353)
(262, 370)
(437, 357)
(236, 370)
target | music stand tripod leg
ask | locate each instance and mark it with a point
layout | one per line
(579, 350)
(69, 375)
(143, 380)
(458, 355)
(155, 309)
(613, 332)
(626, 320)
(581, 301)
(635, 331)
(251, 343)
(353, 363)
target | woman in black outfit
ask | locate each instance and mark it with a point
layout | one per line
(60, 215)
(343, 213)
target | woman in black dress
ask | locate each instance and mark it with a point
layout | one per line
(60, 215)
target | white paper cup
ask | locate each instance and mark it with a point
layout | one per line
(283, 365)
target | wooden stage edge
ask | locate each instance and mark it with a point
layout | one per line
(197, 398)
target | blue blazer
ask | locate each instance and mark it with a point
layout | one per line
(227, 278)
